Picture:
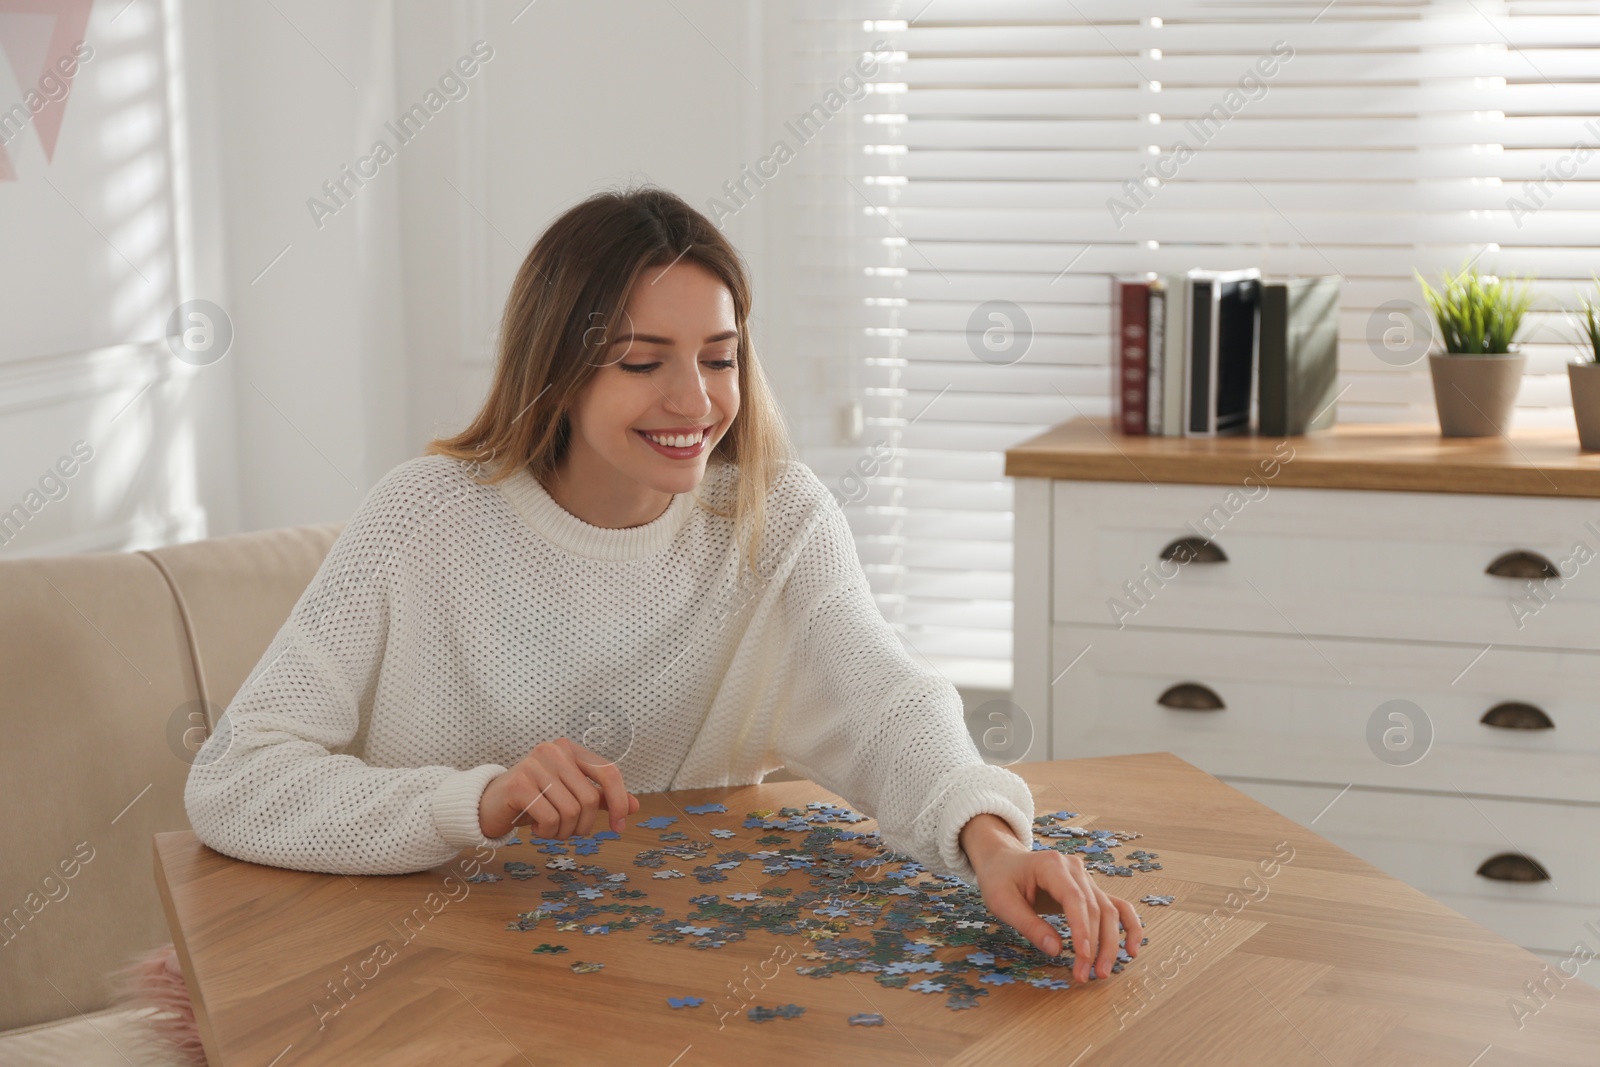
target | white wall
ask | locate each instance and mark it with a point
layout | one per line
(320, 382)
(98, 248)
(192, 143)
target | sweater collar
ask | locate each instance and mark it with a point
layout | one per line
(565, 530)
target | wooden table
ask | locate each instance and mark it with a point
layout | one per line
(1281, 949)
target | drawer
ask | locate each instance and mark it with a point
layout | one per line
(1301, 709)
(1436, 844)
(1324, 561)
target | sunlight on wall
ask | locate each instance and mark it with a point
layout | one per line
(132, 194)
(131, 180)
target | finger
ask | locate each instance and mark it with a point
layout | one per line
(617, 800)
(1091, 906)
(1064, 885)
(544, 817)
(1133, 929)
(583, 754)
(532, 808)
(1091, 898)
(1006, 903)
(568, 805)
(1087, 947)
(556, 797)
(1108, 935)
(585, 792)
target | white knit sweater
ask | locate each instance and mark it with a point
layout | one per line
(453, 626)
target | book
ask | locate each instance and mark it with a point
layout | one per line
(1237, 350)
(1299, 354)
(1157, 348)
(1175, 360)
(1222, 351)
(1130, 353)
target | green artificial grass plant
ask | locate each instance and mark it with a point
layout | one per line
(1591, 323)
(1477, 315)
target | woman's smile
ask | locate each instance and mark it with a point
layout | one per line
(684, 442)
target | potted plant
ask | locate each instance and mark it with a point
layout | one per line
(1584, 376)
(1476, 378)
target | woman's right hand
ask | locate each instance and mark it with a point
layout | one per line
(557, 788)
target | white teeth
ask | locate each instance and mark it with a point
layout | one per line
(681, 440)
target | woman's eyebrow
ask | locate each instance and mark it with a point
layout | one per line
(656, 339)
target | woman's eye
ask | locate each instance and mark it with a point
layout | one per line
(726, 363)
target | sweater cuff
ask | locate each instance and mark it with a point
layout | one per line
(987, 793)
(455, 807)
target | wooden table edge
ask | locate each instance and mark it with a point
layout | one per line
(208, 1039)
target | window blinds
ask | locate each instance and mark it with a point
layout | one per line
(951, 227)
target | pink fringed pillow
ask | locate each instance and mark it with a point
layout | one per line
(154, 979)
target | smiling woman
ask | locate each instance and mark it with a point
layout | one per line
(629, 318)
(617, 572)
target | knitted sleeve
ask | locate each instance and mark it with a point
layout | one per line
(271, 786)
(872, 724)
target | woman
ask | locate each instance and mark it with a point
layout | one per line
(615, 573)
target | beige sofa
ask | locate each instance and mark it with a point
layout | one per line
(109, 661)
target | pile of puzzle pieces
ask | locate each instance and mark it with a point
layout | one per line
(867, 910)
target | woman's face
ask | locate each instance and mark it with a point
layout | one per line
(667, 388)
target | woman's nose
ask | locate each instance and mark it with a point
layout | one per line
(687, 396)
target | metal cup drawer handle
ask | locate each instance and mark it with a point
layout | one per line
(1522, 564)
(1513, 715)
(1194, 550)
(1513, 867)
(1191, 696)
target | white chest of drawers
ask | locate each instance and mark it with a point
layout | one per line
(1345, 627)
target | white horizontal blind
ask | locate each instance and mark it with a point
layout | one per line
(986, 165)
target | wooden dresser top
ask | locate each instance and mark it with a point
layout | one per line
(1406, 458)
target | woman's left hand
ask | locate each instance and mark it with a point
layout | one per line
(1016, 883)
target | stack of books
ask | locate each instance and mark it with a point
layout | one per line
(1214, 352)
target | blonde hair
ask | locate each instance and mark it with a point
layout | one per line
(567, 300)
